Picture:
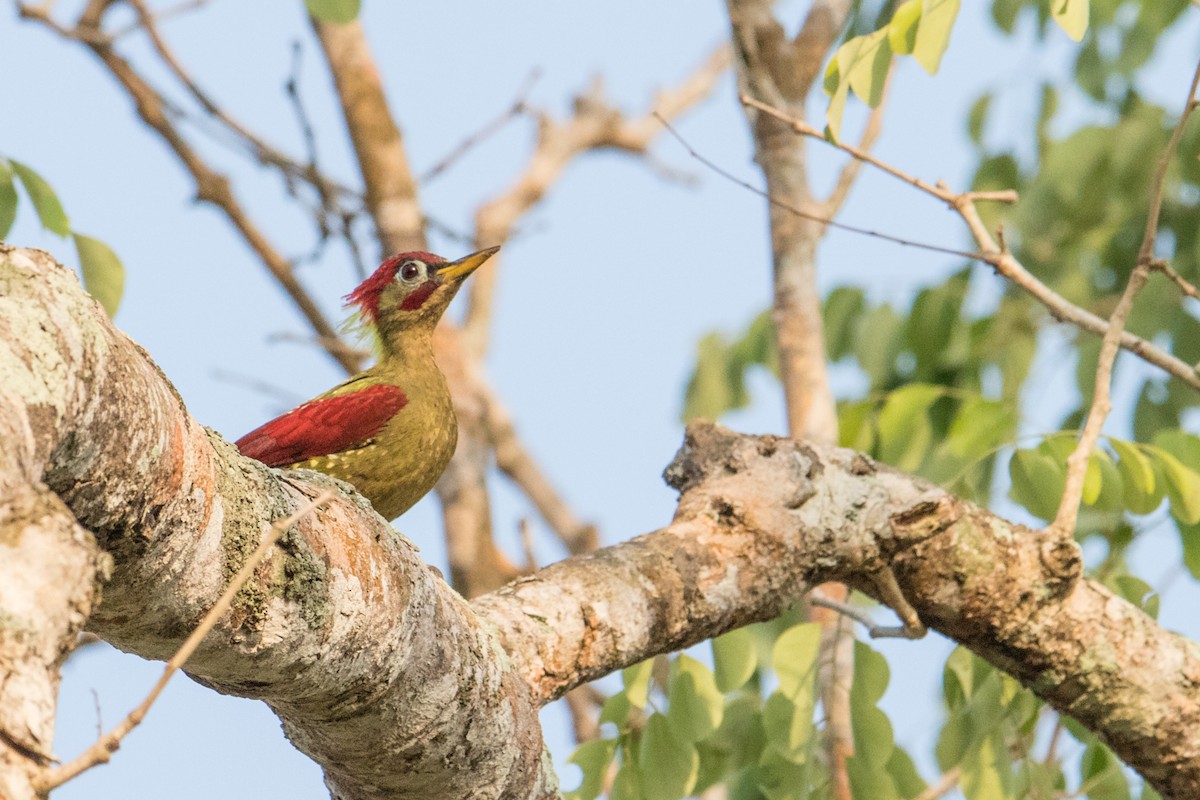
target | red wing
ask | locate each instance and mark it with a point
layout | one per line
(324, 426)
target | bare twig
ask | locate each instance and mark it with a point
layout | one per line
(487, 130)
(161, 16)
(263, 151)
(1077, 462)
(862, 617)
(942, 785)
(594, 125)
(994, 253)
(859, 153)
(1184, 285)
(391, 189)
(211, 186)
(584, 703)
(102, 749)
(809, 215)
(774, 66)
(525, 530)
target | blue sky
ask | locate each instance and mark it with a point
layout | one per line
(602, 298)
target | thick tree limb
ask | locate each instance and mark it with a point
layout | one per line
(377, 669)
(387, 678)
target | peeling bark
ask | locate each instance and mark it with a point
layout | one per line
(396, 685)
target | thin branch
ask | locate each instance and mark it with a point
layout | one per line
(264, 152)
(1077, 462)
(942, 785)
(211, 186)
(100, 752)
(803, 128)
(996, 255)
(594, 125)
(821, 218)
(862, 617)
(1184, 285)
(161, 16)
(391, 189)
(584, 703)
(518, 107)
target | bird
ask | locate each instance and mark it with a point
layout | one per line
(389, 430)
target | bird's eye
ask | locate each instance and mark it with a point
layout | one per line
(411, 271)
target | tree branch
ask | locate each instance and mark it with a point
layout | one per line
(391, 188)
(594, 125)
(341, 623)
(102, 749)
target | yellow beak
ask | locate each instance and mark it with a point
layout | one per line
(466, 265)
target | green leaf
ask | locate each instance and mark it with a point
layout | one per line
(8, 199)
(789, 724)
(868, 72)
(978, 116)
(626, 784)
(1101, 774)
(981, 778)
(336, 11)
(1138, 592)
(103, 273)
(696, 704)
(933, 35)
(905, 432)
(1111, 495)
(977, 430)
(902, 30)
(903, 772)
(843, 306)
(734, 659)
(856, 428)
(616, 710)
(637, 682)
(1182, 486)
(1092, 480)
(1137, 475)
(871, 675)
(593, 758)
(670, 761)
(795, 657)
(45, 201)
(1071, 16)
(1189, 536)
(877, 340)
(1038, 480)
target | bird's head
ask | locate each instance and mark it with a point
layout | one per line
(412, 290)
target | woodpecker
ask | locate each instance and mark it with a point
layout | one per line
(389, 430)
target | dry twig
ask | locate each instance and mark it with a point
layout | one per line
(211, 186)
(1077, 462)
(102, 749)
(594, 125)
